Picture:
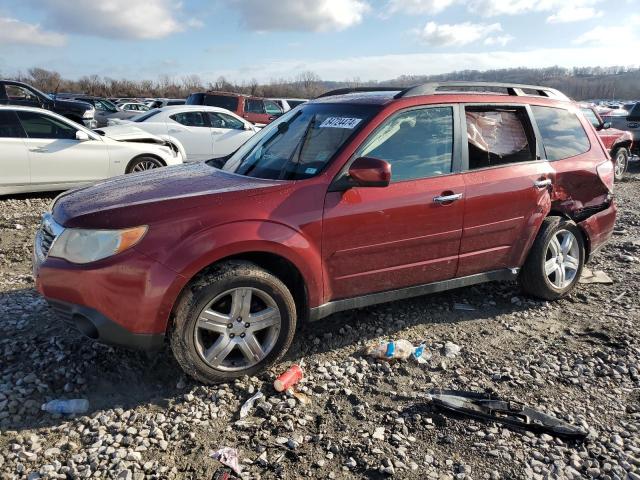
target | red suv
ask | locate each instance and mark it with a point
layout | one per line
(259, 111)
(356, 198)
(618, 142)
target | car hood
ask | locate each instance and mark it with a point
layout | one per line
(127, 133)
(147, 197)
(75, 105)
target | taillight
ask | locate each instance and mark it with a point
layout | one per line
(606, 174)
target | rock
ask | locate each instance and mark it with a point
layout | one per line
(451, 350)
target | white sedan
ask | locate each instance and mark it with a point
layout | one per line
(205, 132)
(43, 151)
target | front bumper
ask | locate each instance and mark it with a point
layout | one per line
(123, 300)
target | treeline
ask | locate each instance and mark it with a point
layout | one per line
(579, 83)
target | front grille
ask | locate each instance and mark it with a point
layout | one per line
(46, 239)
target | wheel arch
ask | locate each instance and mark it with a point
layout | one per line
(144, 155)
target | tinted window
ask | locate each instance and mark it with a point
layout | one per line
(190, 119)
(220, 120)
(38, 125)
(417, 143)
(562, 132)
(253, 106)
(589, 115)
(498, 136)
(175, 102)
(9, 125)
(228, 102)
(300, 143)
(21, 95)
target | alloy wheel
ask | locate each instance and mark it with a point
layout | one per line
(562, 259)
(144, 165)
(237, 329)
(621, 164)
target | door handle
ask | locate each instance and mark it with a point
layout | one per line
(38, 149)
(543, 183)
(174, 130)
(447, 198)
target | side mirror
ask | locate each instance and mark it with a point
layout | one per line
(370, 172)
(606, 125)
(82, 136)
(248, 127)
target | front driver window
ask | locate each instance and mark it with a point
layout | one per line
(38, 125)
(9, 125)
(22, 95)
(272, 108)
(417, 143)
(220, 120)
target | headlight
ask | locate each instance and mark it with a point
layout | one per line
(78, 245)
(89, 113)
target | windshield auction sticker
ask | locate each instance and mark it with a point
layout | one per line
(340, 122)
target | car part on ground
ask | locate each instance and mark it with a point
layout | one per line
(509, 412)
(46, 152)
(346, 201)
(23, 95)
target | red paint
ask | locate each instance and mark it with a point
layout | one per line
(344, 244)
(288, 379)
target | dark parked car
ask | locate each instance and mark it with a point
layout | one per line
(105, 109)
(618, 142)
(259, 111)
(18, 93)
(353, 199)
(165, 102)
(629, 123)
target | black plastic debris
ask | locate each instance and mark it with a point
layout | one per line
(508, 412)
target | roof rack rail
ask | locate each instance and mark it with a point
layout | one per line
(344, 91)
(432, 88)
(514, 89)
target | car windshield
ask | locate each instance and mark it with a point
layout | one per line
(300, 143)
(588, 113)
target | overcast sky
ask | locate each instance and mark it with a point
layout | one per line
(337, 39)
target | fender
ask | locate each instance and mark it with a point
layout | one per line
(231, 239)
(176, 142)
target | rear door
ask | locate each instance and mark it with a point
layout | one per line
(56, 157)
(14, 161)
(228, 133)
(378, 239)
(507, 184)
(193, 130)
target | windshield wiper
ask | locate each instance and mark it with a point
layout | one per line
(282, 128)
(298, 150)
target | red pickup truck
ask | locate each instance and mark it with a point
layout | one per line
(618, 142)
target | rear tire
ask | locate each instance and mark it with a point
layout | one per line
(621, 162)
(555, 261)
(142, 164)
(232, 321)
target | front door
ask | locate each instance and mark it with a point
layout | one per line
(56, 157)
(228, 133)
(193, 131)
(507, 188)
(378, 239)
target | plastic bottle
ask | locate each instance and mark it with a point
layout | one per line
(66, 407)
(288, 378)
(398, 350)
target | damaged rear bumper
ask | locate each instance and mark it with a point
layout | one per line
(598, 228)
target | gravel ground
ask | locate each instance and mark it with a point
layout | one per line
(578, 359)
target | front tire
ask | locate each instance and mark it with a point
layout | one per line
(142, 164)
(621, 163)
(556, 259)
(233, 321)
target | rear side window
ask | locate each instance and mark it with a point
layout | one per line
(38, 125)
(253, 106)
(562, 132)
(9, 125)
(223, 101)
(498, 136)
(190, 119)
(220, 120)
(417, 143)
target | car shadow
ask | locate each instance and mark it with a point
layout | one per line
(111, 377)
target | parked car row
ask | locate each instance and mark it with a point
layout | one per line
(629, 122)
